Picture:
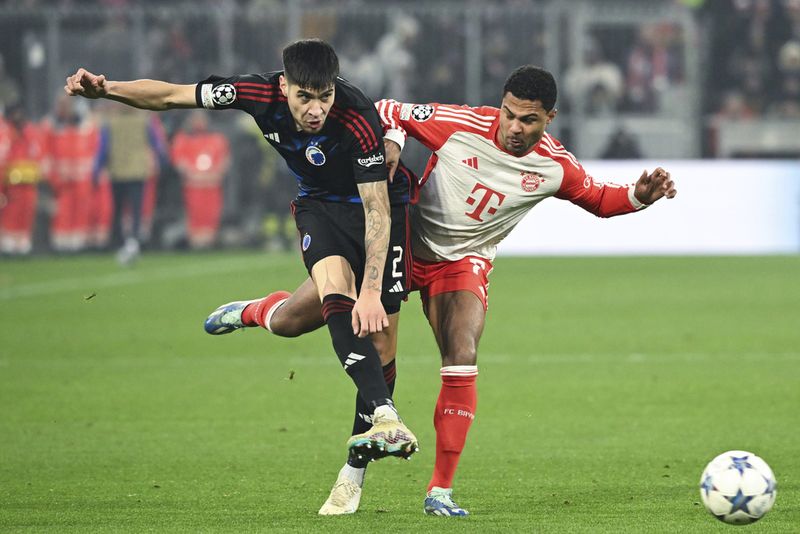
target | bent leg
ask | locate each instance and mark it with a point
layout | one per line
(294, 316)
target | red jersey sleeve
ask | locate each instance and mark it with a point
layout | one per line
(603, 199)
(432, 124)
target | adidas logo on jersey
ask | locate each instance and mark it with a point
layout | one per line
(471, 162)
(396, 288)
(273, 137)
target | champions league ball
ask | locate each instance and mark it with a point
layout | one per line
(738, 487)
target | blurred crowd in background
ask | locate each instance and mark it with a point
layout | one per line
(646, 79)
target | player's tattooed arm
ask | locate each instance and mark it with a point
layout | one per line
(369, 315)
(375, 198)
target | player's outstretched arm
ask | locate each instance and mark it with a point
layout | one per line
(651, 187)
(368, 313)
(144, 94)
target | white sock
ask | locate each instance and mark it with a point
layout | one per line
(356, 474)
(271, 312)
(386, 411)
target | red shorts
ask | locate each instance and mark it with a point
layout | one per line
(467, 274)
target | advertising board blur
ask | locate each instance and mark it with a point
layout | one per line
(723, 207)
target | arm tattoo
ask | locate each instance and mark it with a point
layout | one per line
(377, 215)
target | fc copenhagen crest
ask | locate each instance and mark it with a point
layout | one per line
(315, 156)
(531, 181)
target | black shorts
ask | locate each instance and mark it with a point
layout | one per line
(337, 229)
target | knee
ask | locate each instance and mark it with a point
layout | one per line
(461, 351)
(386, 347)
(460, 358)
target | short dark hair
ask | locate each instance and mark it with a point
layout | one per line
(532, 83)
(310, 63)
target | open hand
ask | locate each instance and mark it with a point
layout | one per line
(368, 314)
(651, 187)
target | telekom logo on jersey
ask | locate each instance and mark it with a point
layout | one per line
(483, 203)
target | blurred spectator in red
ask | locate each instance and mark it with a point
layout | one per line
(22, 161)
(72, 142)
(202, 158)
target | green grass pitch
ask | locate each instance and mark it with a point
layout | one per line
(606, 385)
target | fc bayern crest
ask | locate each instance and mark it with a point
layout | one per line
(315, 156)
(531, 181)
(422, 113)
(223, 95)
(306, 242)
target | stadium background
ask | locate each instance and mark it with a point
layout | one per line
(607, 380)
(654, 80)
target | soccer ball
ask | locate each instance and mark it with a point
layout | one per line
(738, 487)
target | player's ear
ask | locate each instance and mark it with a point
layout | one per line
(551, 115)
(283, 85)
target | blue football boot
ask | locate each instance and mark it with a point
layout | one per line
(227, 318)
(439, 501)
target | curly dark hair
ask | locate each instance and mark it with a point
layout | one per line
(529, 82)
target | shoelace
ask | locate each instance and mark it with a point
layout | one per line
(445, 499)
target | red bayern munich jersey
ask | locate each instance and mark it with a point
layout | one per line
(474, 191)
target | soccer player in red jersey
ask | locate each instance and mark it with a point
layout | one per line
(352, 221)
(489, 166)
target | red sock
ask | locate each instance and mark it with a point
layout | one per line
(454, 413)
(260, 312)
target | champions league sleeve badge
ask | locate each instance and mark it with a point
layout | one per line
(421, 113)
(223, 95)
(315, 156)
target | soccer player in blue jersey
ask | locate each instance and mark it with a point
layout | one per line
(352, 223)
